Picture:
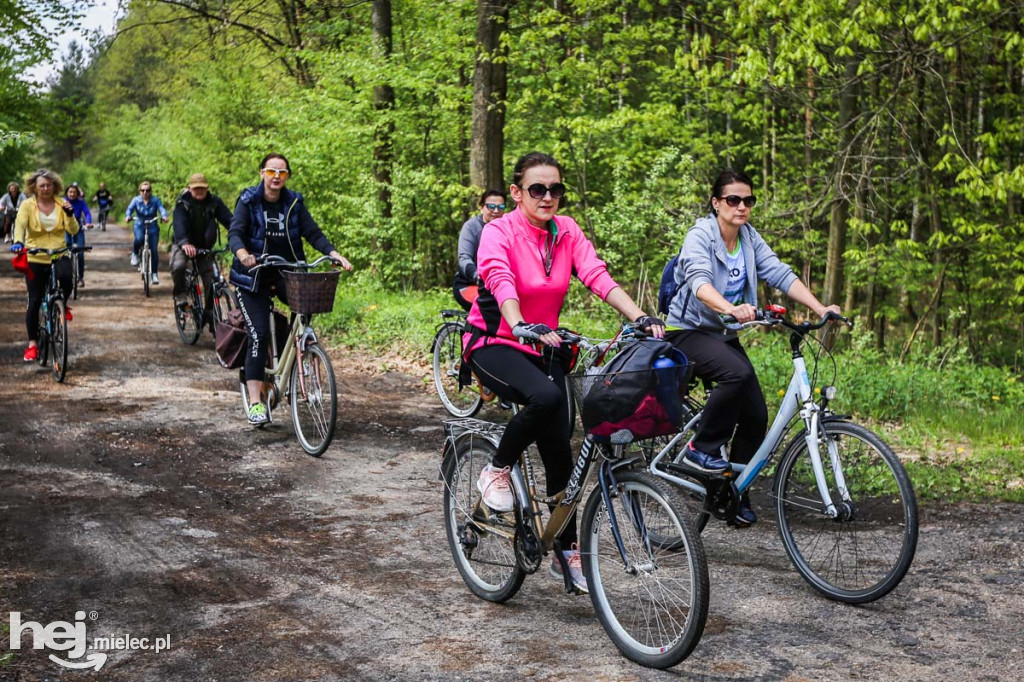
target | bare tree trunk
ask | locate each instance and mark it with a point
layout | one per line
(841, 204)
(384, 103)
(490, 85)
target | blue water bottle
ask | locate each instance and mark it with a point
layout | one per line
(667, 388)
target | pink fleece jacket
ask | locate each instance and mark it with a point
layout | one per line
(511, 262)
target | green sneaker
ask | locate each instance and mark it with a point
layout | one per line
(258, 414)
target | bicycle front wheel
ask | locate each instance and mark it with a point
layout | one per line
(481, 541)
(314, 398)
(146, 269)
(186, 316)
(654, 604)
(865, 552)
(59, 340)
(223, 303)
(447, 363)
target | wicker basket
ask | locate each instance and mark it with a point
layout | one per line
(311, 292)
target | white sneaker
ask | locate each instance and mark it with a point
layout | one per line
(496, 487)
(135, 260)
(156, 280)
(572, 557)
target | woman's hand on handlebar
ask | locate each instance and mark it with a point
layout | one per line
(340, 260)
(245, 258)
(823, 313)
(743, 313)
(649, 324)
(536, 333)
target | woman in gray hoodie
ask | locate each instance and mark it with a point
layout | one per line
(721, 261)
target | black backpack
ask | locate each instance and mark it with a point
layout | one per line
(627, 394)
(668, 288)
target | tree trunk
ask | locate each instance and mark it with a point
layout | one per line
(841, 204)
(384, 103)
(487, 144)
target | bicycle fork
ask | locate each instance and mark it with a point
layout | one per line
(606, 479)
(812, 436)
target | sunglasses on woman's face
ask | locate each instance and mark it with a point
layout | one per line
(145, 191)
(735, 201)
(537, 190)
(495, 207)
(277, 172)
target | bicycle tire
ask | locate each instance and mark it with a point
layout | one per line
(74, 283)
(146, 269)
(655, 609)
(43, 343)
(827, 552)
(571, 405)
(223, 302)
(187, 318)
(485, 560)
(59, 340)
(447, 362)
(314, 400)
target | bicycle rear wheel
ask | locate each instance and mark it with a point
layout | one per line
(655, 605)
(447, 352)
(58, 340)
(187, 315)
(485, 557)
(862, 555)
(314, 398)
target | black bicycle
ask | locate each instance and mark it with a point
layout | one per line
(53, 321)
(191, 314)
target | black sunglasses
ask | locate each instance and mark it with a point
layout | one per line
(734, 200)
(495, 207)
(537, 190)
(145, 191)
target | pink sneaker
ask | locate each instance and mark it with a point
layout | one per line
(572, 557)
(496, 487)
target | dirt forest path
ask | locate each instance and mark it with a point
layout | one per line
(136, 493)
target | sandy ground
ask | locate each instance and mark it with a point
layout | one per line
(136, 493)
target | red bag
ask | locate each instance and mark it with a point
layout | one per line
(20, 263)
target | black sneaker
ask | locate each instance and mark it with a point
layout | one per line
(703, 461)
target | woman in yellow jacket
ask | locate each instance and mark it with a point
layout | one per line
(43, 220)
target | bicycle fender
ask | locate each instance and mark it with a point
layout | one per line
(307, 339)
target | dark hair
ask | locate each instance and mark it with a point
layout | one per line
(499, 192)
(727, 177)
(272, 155)
(528, 161)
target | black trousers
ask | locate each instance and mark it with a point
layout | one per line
(36, 286)
(736, 403)
(538, 384)
(255, 307)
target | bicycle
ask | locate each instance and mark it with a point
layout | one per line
(53, 322)
(146, 257)
(839, 494)
(103, 212)
(190, 314)
(301, 368)
(651, 599)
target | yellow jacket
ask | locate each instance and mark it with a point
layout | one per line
(29, 230)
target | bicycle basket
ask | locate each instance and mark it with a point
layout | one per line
(311, 292)
(646, 403)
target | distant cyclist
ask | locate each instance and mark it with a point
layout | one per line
(196, 214)
(492, 205)
(43, 220)
(145, 208)
(84, 217)
(104, 202)
(9, 204)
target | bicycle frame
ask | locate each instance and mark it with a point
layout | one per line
(798, 394)
(300, 336)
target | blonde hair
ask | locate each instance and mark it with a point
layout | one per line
(31, 179)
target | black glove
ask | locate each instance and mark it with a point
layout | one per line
(645, 322)
(530, 333)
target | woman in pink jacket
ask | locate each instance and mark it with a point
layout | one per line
(526, 258)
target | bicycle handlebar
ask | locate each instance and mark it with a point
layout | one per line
(211, 252)
(56, 252)
(773, 315)
(270, 260)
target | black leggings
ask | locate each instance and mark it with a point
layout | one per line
(37, 284)
(538, 384)
(736, 402)
(255, 307)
